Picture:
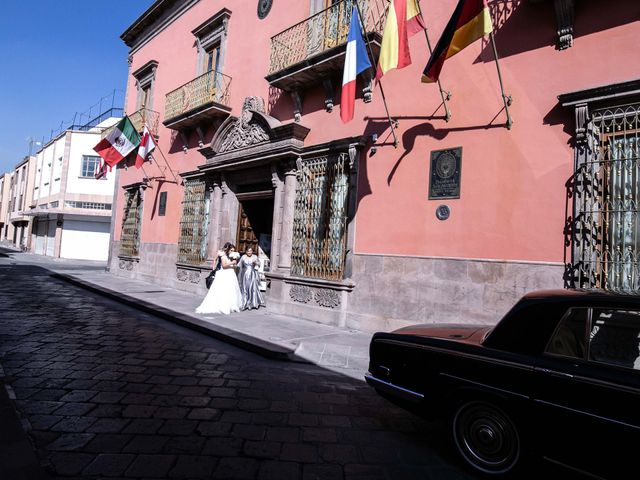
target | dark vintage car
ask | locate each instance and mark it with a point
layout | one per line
(558, 377)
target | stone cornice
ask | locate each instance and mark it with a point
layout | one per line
(601, 93)
(212, 23)
(157, 17)
(145, 69)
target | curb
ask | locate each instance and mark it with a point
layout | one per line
(246, 342)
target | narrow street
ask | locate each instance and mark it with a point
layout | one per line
(111, 392)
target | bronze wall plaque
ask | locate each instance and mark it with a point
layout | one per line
(444, 180)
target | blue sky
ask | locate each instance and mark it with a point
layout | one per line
(59, 57)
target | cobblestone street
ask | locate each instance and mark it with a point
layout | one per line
(111, 392)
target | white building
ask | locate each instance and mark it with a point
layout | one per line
(71, 209)
(16, 191)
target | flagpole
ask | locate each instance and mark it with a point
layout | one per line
(442, 92)
(167, 163)
(384, 100)
(505, 98)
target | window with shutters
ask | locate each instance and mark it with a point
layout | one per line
(192, 244)
(320, 218)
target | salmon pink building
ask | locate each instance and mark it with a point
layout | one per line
(454, 223)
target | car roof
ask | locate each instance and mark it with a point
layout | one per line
(530, 322)
(580, 296)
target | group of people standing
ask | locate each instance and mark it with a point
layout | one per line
(236, 285)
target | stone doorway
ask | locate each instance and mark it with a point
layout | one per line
(255, 227)
(255, 224)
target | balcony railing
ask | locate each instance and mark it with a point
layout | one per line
(206, 90)
(145, 116)
(138, 119)
(323, 31)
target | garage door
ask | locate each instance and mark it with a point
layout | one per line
(41, 236)
(85, 240)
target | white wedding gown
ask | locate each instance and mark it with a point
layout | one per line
(224, 295)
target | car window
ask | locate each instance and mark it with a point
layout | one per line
(568, 339)
(615, 337)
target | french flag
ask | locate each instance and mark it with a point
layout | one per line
(356, 61)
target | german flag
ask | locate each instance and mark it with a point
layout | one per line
(470, 21)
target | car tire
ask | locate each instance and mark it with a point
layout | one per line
(487, 438)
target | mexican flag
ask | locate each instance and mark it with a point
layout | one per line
(119, 143)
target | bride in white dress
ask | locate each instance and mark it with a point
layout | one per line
(224, 295)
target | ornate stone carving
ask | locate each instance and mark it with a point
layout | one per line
(564, 19)
(327, 298)
(246, 132)
(182, 275)
(125, 265)
(297, 105)
(328, 91)
(301, 293)
(194, 276)
(367, 90)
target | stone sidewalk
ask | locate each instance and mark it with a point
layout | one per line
(273, 336)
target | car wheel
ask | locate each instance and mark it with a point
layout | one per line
(486, 438)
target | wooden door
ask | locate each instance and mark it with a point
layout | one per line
(246, 236)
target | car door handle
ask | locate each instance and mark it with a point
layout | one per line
(554, 373)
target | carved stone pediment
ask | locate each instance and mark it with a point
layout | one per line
(253, 127)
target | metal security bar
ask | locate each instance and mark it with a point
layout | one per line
(324, 30)
(192, 245)
(320, 218)
(604, 232)
(130, 238)
(212, 87)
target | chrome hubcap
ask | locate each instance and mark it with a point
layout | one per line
(486, 438)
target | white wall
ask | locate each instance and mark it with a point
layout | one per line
(85, 240)
(57, 161)
(82, 143)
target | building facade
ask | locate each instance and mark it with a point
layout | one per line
(17, 225)
(244, 99)
(6, 180)
(71, 209)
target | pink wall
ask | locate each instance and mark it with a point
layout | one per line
(512, 196)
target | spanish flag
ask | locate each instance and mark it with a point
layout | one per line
(403, 20)
(470, 21)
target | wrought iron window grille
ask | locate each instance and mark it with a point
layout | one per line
(320, 217)
(130, 238)
(192, 243)
(603, 235)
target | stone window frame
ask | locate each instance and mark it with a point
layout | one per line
(582, 267)
(188, 206)
(145, 78)
(213, 31)
(139, 210)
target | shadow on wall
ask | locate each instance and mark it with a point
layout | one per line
(177, 141)
(522, 25)
(407, 141)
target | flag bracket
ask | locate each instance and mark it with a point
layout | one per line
(445, 95)
(506, 99)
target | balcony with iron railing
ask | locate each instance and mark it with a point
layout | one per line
(199, 100)
(313, 50)
(139, 119)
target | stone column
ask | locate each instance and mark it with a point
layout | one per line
(276, 229)
(288, 208)
(213, 232)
